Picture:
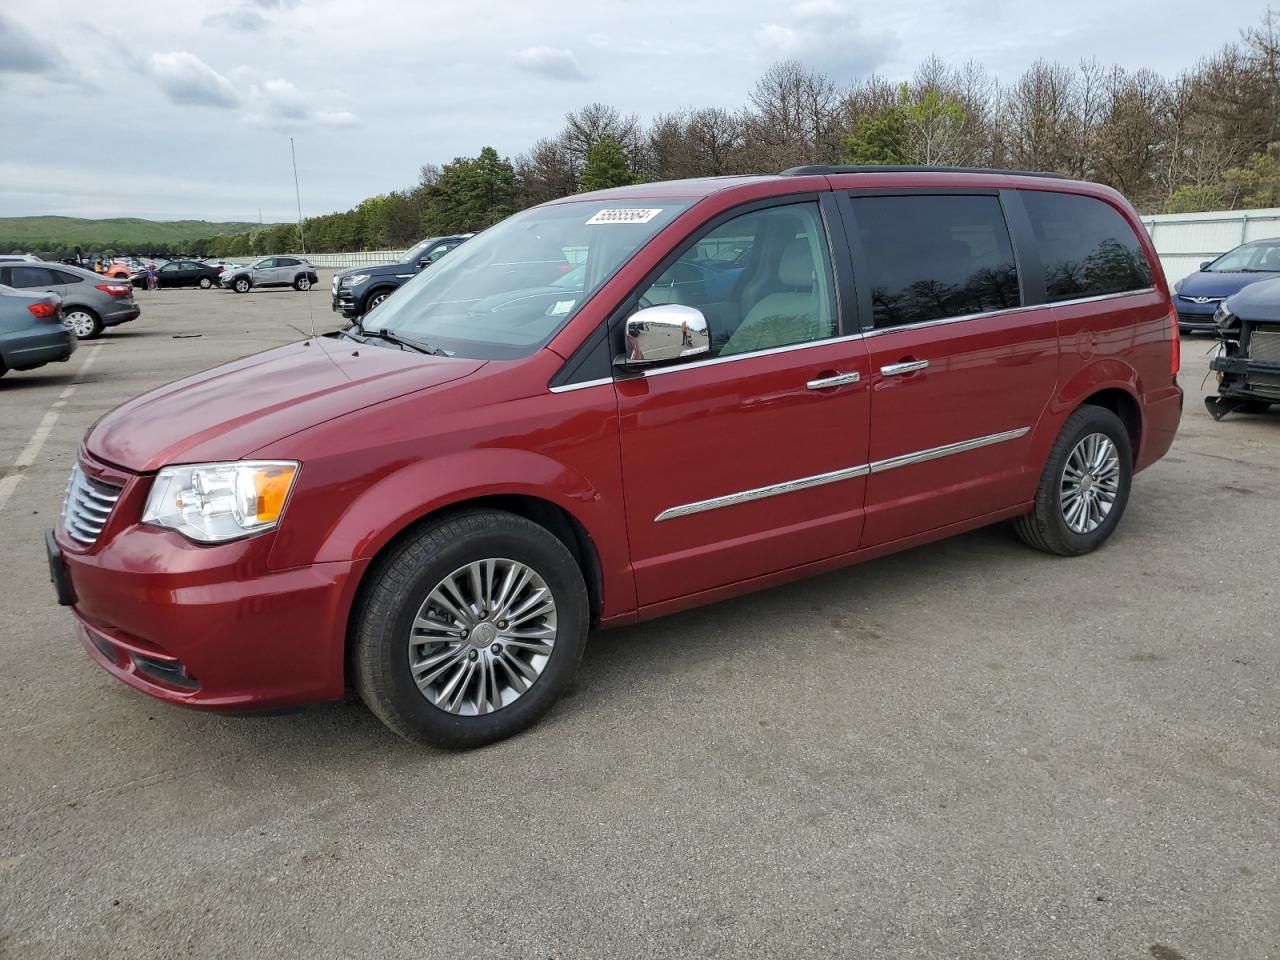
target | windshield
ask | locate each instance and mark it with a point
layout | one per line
(506, 292)
(1251, 258)
(413, 253)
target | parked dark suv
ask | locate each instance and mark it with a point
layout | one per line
(357, 290)
(437, 510)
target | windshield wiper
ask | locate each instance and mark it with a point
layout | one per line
(400, 341)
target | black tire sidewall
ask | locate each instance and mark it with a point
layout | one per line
(387, 631)
(204, 283)
(240, 286)
(1087, 420)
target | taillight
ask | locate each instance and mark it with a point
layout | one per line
(45, 309)
(220, 269)
(1175, 359)
(114, 289)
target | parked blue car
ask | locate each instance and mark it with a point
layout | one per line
(32, 332)
(1197, 296)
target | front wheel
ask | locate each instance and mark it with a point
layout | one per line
(302, 283)
(1084, 488)
(205, 283)
(470, 629)
(241, 285)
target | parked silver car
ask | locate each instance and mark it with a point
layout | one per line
(31, 331)
(271, 272)
(90, 301)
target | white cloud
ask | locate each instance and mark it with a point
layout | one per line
(553, 62)
(280, 104)
(187, 79)
(823, 34)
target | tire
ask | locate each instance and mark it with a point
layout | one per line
(241, 285)
(302, 283)
(83, 322)
(401, 584)
(376, 298)
(1049, 526)
(205, 283)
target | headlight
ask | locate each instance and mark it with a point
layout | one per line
(1222, 316)
(354, 281)
(213, 502)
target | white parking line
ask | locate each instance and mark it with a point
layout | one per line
(32, 450)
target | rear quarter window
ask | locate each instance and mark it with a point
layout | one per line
(1088, 249)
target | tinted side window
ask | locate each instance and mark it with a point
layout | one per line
(1087, 248)
(64, 277)
(932, 257)
(762, 280)
(32, 277)
(286, 262)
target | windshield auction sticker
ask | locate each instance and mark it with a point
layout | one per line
(625, 215)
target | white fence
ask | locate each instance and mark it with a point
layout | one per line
(364, 258)
(1185, 240)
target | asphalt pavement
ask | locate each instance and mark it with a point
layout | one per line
(966, 750)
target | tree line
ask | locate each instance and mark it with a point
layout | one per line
(1208, 138)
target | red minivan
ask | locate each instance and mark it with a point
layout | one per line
(616, 406)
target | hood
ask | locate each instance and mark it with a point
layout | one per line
(228, 412)
(1217, 285)
(1258, 301)
(376, 269)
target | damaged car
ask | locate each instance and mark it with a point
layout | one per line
(1248, 364)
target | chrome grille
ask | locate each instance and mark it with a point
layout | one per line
(87, 505)
(1264, 344)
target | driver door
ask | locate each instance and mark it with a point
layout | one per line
(749, 459)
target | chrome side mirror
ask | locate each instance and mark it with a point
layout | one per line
(667, 331)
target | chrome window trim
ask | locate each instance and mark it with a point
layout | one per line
(566, 388)
(658, 371)
(835, 476)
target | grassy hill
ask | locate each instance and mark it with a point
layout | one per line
(47, 233)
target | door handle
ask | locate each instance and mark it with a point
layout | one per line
(906, 366)
(836, 380)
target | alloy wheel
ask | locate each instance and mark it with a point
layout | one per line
(79, 323)
(482, 637)
(304, 283)
(375, 300)
(1090, 483)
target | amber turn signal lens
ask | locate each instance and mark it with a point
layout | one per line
(271, 487)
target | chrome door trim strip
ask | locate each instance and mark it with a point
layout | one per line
(933, 453)
(835, 476)
(760, 493)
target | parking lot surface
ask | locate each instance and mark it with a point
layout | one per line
(969, 749)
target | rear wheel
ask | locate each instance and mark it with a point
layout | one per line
(241, 285)
(83, 322)
(205, 283)
(1084, 488)
(470, 629)
(303, 282)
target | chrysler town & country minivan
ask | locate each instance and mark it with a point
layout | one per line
(615, 406)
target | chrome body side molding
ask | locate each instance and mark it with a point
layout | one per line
(835, 476)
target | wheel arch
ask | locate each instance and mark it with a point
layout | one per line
(551, 516)
(1125, 406)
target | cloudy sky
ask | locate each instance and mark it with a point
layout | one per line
(184, 110)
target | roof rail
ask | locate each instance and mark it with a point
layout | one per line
(823, 169)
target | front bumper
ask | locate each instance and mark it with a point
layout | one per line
(1246, 379)
(212, 627)
(1195, 320)
(343, 300)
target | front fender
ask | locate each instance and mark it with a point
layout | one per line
(414, 490)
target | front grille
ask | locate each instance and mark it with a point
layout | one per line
(1191, 318)
(87, 505)
(1264, 344)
